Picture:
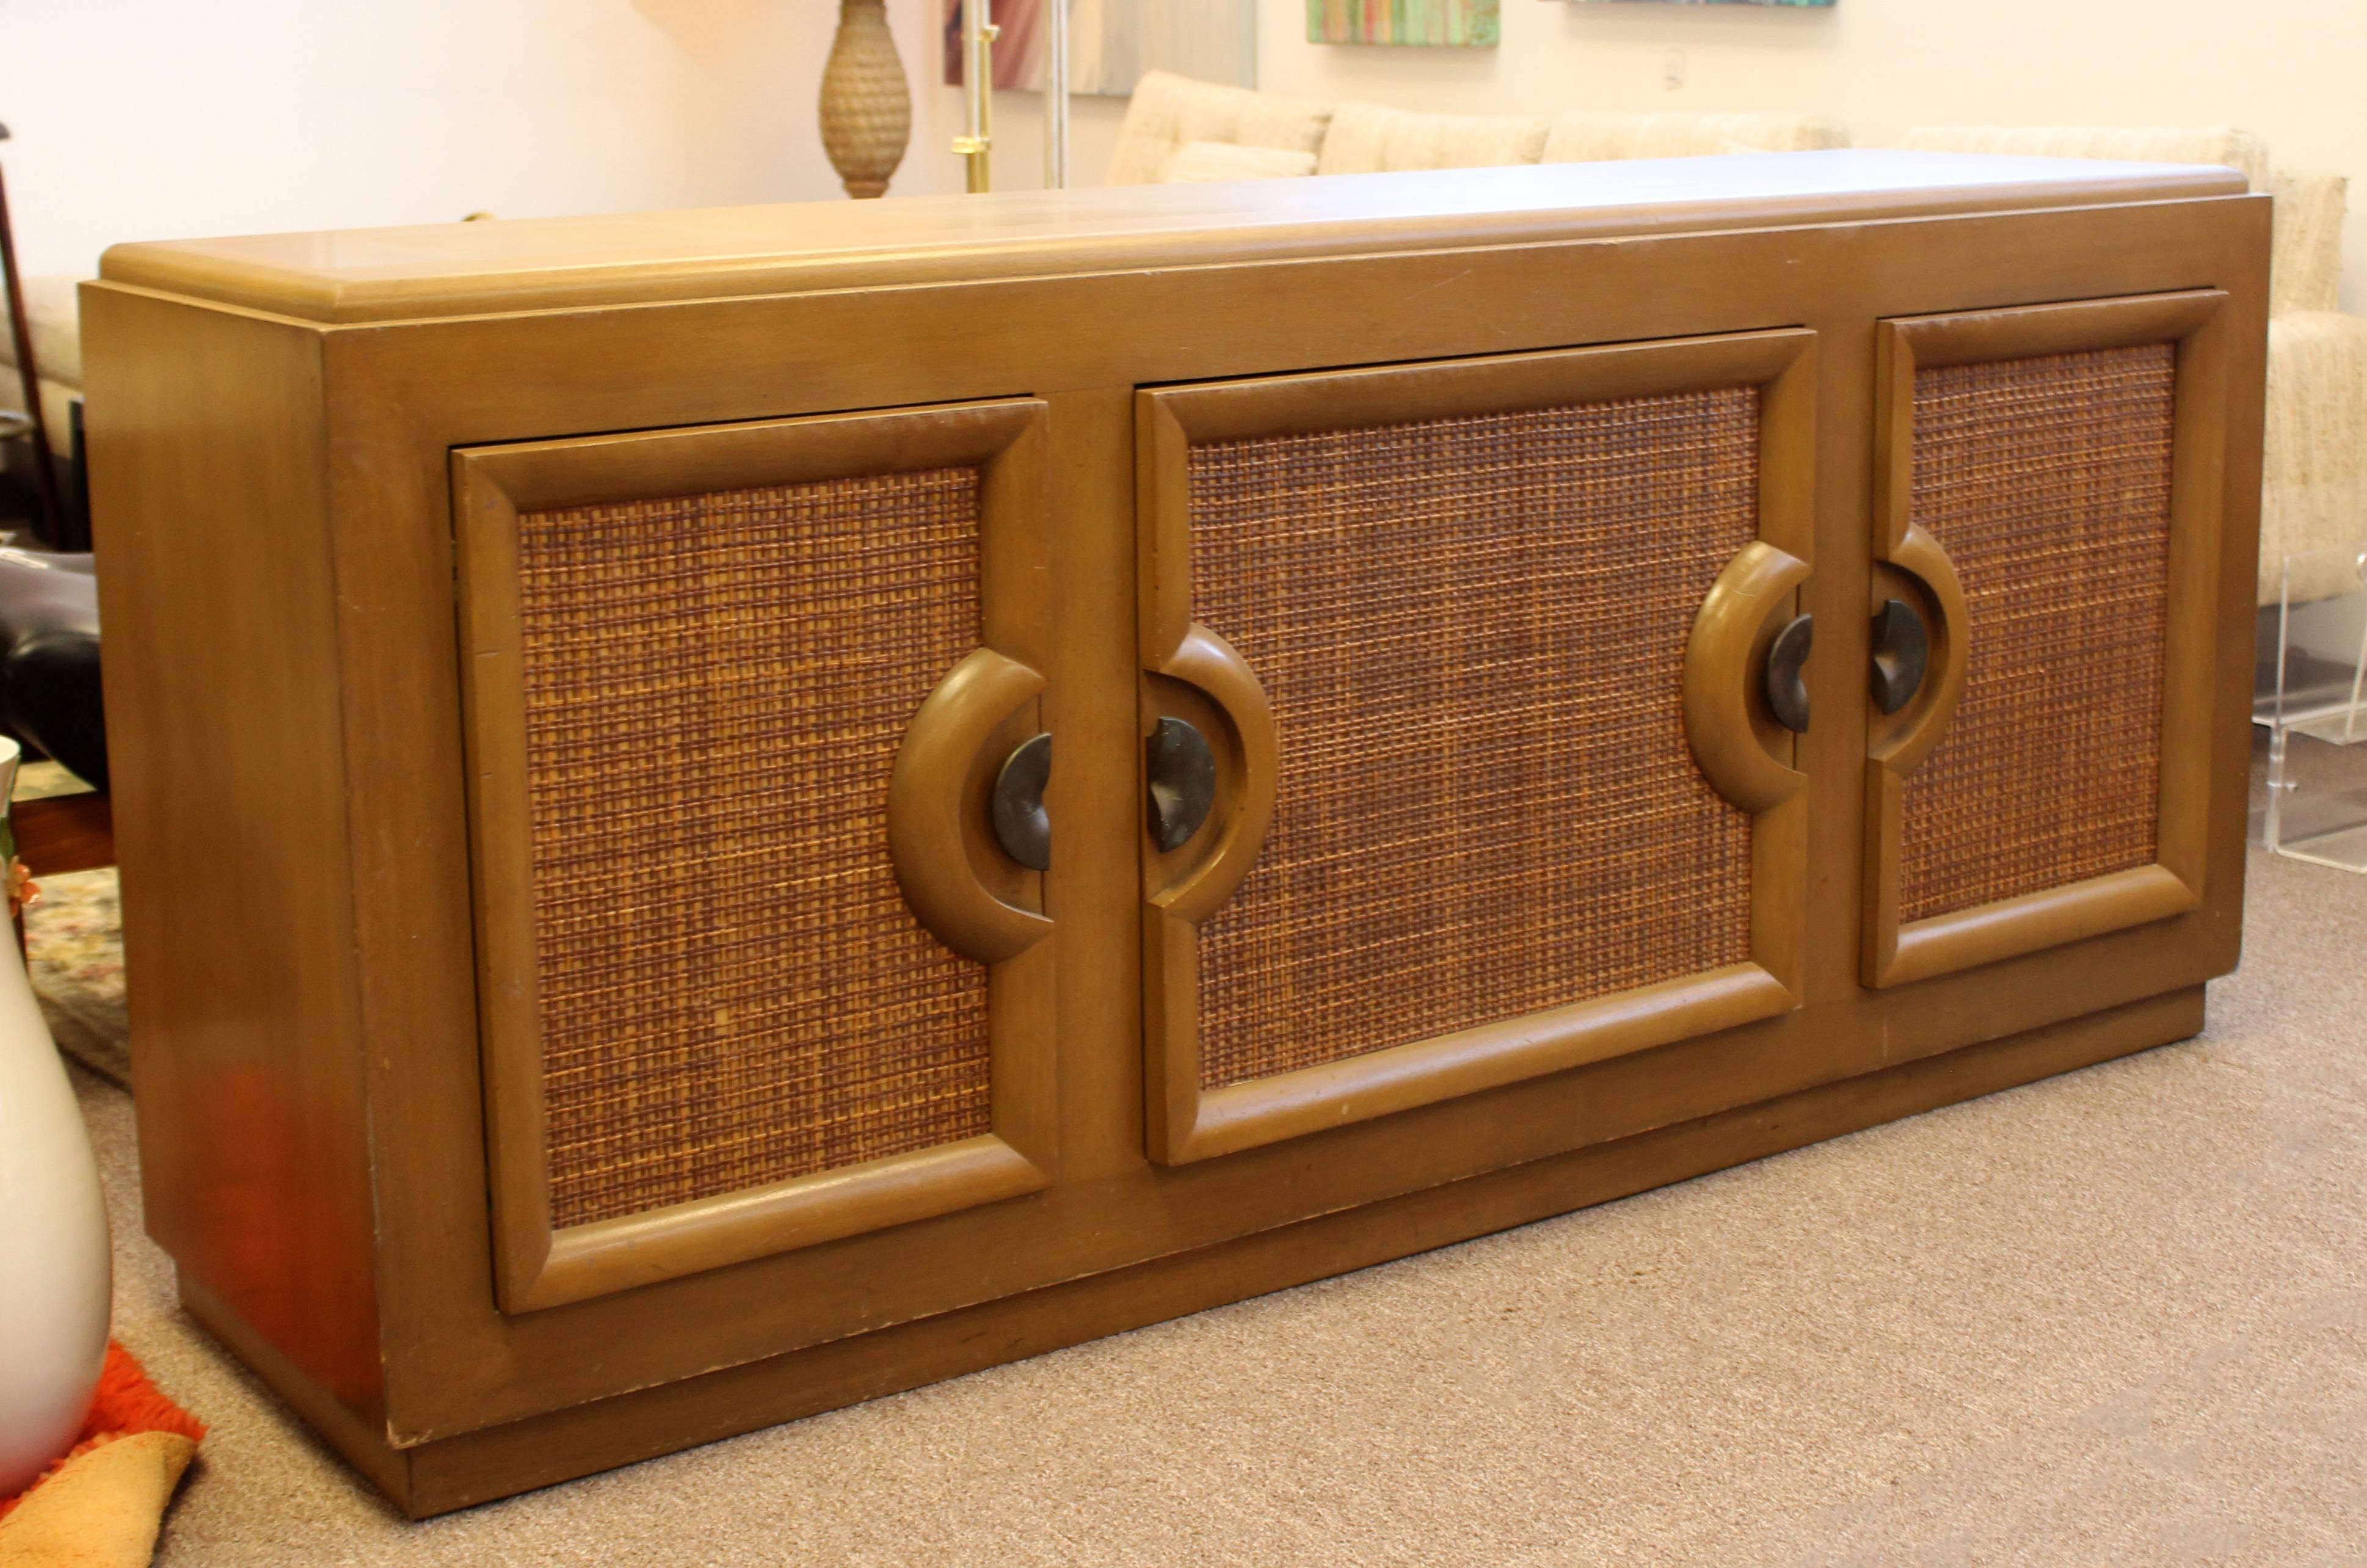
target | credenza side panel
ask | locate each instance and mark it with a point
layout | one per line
(225, 704)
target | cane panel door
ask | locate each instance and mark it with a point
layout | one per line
(754, 972)
(1461, 760)
(2048, 501)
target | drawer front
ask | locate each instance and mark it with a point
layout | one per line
(750, 977)
(2049, 511)
(1478, 647)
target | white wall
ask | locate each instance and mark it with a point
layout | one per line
(148, 118)
(2293, 71)
(171, 119)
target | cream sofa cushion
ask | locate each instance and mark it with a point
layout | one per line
(2315, 493)
(1367, 139)
(2171, 144)
(2306, 271)
(1584, 136)
(1198, 161)
(1169, 112)
(52, 310)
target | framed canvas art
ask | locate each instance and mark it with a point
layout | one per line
(1471, 24)
(1113, 42)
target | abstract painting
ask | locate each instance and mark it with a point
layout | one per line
(1113, 42)
(1723, 2)
(1471, 23)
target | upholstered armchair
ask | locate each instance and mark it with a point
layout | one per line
(2315, 493)
(57, 343)
(49, 311)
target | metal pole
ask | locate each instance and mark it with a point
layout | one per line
(1056, 101)
(977, 91)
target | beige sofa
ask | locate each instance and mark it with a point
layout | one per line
(2315, 493)
(1177, 129)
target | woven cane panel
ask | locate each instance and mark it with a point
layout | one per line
(1473, 634)
(2047, 482)
(732, 990)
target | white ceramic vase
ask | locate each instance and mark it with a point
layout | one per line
(54, 1255)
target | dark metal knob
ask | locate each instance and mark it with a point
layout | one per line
(1022, 826)
(1182, 773)
(1902, 649)
(1787, 663)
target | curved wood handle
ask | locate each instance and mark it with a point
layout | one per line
(927, 797)
(1718, 677)
(1245, 789)
(1920, 555)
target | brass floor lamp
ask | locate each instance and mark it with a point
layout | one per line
(977, 142)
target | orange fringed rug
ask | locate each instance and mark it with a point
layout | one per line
(101, 1505)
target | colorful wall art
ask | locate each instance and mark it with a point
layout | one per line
(1113, 42)
(1818, 3)
(1471, 23)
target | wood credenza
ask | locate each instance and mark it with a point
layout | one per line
(725, 813)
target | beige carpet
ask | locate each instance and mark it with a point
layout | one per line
(2119, 1317)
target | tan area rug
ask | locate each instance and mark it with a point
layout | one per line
(2119, 1317)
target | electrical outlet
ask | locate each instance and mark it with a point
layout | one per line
(1673, 74)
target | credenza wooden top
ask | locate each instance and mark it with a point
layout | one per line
(461, 269)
